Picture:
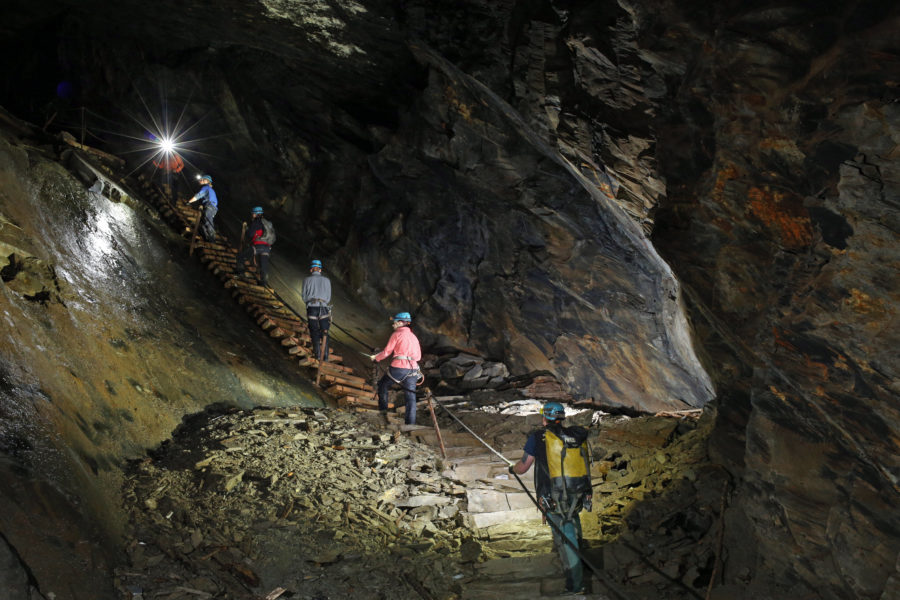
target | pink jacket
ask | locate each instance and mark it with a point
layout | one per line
(403, 343)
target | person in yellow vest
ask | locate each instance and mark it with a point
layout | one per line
(562, 483)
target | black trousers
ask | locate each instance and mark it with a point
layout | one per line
(262, 262)
(207, 227)
(319, 318)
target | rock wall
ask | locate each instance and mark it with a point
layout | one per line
(110, 336)
(758, 145)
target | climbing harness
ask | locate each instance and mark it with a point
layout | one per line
(420, 377)
(327, 315)
(543, 512)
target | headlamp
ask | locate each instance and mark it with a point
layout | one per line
(166, 145)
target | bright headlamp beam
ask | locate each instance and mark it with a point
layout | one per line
(166, 145)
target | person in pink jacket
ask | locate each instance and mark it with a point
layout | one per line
(404, 368)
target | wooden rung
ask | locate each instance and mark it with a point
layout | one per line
(240, 283)
(295, 350)
(217, 245)
(208, 255)
(278, 332)
(348, 379)
(265, 308)
(360, 402)
(308, 361)
(346, 390)
(268, 322)
(331, 366)
(296, 340)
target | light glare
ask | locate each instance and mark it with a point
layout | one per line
(166, 145)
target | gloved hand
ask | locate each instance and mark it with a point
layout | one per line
(588, 503)
(512, 468)
(371, 357)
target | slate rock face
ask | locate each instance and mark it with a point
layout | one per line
(520, 257)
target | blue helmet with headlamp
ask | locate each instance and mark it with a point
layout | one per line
(553, 411)
(402, 316)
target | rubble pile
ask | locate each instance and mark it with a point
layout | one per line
(314, 503)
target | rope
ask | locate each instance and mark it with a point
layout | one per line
(549, 521)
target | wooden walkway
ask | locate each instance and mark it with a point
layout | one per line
(264, 306)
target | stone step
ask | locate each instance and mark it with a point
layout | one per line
(485, 501)
(489, 519)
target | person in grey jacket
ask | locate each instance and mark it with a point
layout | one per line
(317, 296)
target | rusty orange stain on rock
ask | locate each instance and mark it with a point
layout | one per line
(816, 367)
(862, 302)
(726, 174)
(786, 216)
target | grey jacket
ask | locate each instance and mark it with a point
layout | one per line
(316, 290)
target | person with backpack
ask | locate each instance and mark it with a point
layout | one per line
(209, 203)
(404, 368)
(257, 244)
(562, 483)
(317, 296)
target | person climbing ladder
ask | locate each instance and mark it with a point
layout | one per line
(317, 296)
(259, 237)
(209, 203)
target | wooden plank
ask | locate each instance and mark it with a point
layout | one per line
(214, 245)
(268, 321)
(364, 402)
(246, 285)
(311, 362)
(295, 350)
(70, 140)
(336, 368)
(208, 255)
(273, 311)
(298, 339)
(348, 379)
(343, 389)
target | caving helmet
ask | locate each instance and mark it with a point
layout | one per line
(316, 264)
(206, 177)
(553, 411)
(257, 210)
(402, 316)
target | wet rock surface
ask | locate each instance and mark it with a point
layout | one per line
(109, 336)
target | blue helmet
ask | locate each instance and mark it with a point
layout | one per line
(553, 411)
(316, 264)
(402, 316)
(257, 210)
(207, 177)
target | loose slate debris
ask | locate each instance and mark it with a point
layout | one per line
(313, 502)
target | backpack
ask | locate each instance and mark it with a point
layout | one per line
(268, 235)
(568, 463)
